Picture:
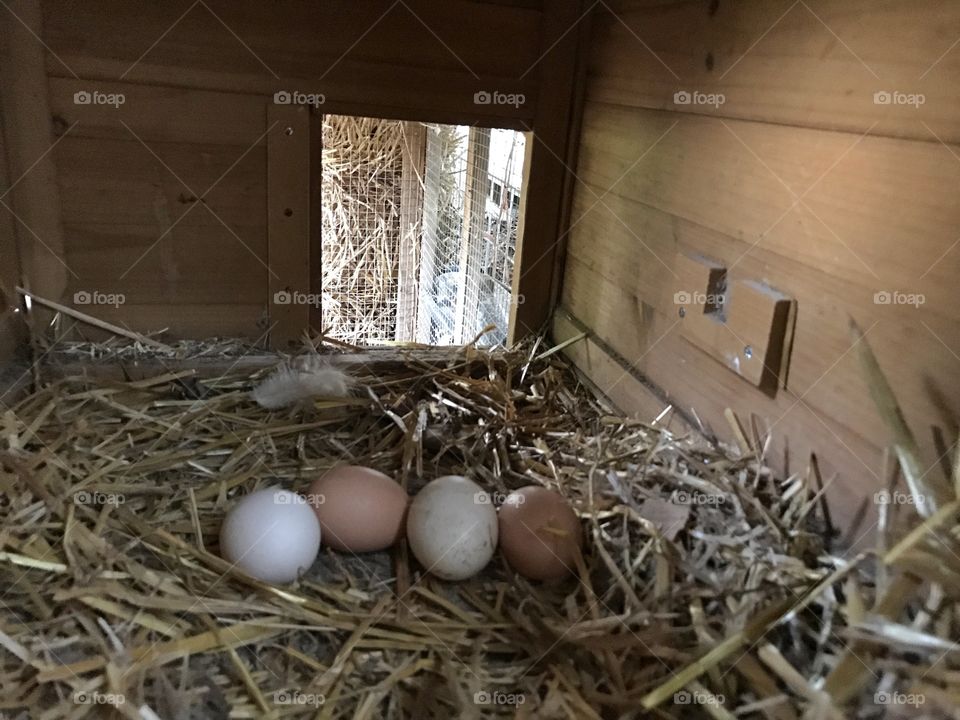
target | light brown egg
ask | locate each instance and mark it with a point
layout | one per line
(360, 509)
(540, 533)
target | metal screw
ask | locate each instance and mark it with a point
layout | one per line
(289, 131)
(748, 352)
(683, 312)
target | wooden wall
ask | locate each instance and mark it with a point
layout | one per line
(798, 180)
(163, 198)
(10, 331)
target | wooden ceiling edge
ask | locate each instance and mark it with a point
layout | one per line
(168, 76)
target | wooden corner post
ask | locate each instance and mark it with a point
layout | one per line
(292, 223)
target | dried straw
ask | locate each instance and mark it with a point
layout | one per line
(362, 169)
(708, 586)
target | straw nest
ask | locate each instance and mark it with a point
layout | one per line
(708, 586)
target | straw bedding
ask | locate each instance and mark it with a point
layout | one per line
(708, 586)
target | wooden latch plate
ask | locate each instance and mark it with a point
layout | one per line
(745, 324)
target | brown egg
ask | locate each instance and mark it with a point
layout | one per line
(360, 509)
(539, 533)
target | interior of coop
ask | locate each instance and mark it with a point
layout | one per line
(710, 207)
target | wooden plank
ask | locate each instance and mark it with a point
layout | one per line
(315, 211)
(411, 229)
(612, 376)
(615, 285)
(371, 361)
(12, 334)
(136, 262)
(375, 59)
(122, 182)
(471, 246)
(826, 409)
(288, 222)
(431, 219)
(814, 64)
(879, 208)
(545, 169)
(584, 32)
(278, 37)
(171, 323)
(143, 221)
(34, 196)
(158, 113)
(353, 87)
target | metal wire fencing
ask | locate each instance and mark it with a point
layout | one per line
(419, 230)
(360, 237)
(471, 207)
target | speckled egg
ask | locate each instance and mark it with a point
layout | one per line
(452, 528)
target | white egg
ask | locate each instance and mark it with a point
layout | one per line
(452, 528)
(271, 534)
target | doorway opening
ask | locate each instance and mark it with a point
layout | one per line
(419, 231)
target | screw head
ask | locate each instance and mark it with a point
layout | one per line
(683, 312)
(748, 352)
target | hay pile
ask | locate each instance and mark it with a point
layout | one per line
(361, 188)
(708, 587)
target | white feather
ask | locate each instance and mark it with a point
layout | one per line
(290, 385)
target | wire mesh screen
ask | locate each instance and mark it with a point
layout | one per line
(361, 198)
(471, 206)
(419, 230)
